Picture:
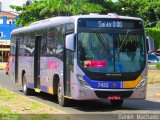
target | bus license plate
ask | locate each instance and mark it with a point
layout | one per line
(115, 97)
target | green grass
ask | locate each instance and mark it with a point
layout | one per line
(7, 114)
(10, 117)
(35, 106)
(10, 112)
(158, 66)
(5, 110)
(6, 95)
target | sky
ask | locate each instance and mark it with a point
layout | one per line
(7, 3)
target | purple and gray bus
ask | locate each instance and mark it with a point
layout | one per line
(83, 57)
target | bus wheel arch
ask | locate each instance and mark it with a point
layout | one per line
(62, 101)
(58, 89)
(26, 90)
(23, 72)
(56, 80)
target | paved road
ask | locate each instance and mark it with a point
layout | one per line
(88, 109)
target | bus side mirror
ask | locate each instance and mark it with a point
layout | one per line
(150, 44)
(70, 42)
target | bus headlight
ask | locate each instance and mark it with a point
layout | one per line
(83, 82)
(142, 82)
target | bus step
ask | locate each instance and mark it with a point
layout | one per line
(37, 90)
(68, 97)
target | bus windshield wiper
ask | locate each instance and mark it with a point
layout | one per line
(103, 42)
(124, 40)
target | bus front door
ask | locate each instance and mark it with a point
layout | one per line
(37, 63)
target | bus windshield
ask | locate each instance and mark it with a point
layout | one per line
(111, 52)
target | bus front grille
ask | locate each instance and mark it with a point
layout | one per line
(106, 94)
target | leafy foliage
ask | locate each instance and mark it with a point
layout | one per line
(145, 9)
(108, 6)
(42, 9)
(155, 34)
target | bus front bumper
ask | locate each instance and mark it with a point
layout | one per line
(82, 93)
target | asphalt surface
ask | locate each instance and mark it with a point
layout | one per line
(95, 110)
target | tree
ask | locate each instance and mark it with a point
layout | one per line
(148, 10)
(108, 6)
(29, 14)
(42, 9)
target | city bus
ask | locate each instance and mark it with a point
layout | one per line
(82, 57)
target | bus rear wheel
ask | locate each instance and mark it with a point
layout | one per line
(116, 103)
(61, 100)
(26, 90)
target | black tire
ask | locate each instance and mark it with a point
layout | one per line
(26, 90)
(64, 102)
(116, 103)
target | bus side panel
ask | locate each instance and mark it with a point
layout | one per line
(11, 67)
(141, 92)
(12, 58)
(51, 61)
(26, 63)
(50, 66)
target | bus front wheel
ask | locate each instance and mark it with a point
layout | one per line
(61, 100)
(26, 90)
(116, 103)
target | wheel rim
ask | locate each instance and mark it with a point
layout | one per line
(59, 93)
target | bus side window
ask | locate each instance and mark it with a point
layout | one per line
(12, 46)
(28, 44)
(21, 48)
(82, 54)
(43, 42)
(60, 41)
(50, 45)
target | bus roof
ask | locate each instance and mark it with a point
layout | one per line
(66, 19)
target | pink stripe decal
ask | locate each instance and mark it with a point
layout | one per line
(95, 63)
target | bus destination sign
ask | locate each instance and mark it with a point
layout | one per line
(109, 23)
